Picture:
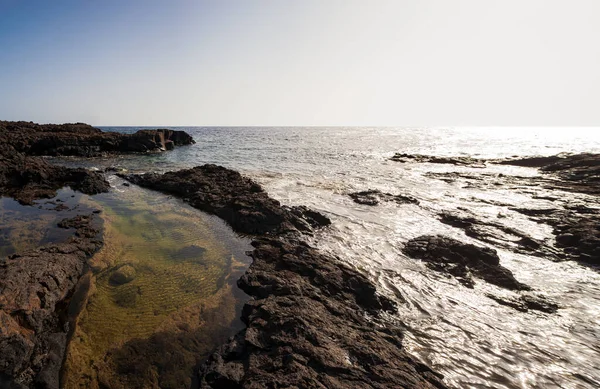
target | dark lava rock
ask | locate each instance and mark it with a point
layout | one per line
(527, 302)
(497, 234)
(35, 289)
(28, 178)
(239, 201)
(536, 162)
(578, 172)
(462, 260)
(308, 325)
(465, 161)
(123, 275)
(306, 328)
(85, 141)
(373, 197)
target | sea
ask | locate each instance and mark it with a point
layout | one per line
(464, 335)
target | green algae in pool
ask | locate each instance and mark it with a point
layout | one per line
(161, 297)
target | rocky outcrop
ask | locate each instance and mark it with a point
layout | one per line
(464, 161)
(462, 260)
(307, 328)
(500, 235)
(577, 231)
(28, 178)
(313, 322)
(374, 197)
(238, 200)
(85, 141)
(35, 289)
(577, 172)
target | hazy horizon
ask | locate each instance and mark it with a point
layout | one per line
(313, 63)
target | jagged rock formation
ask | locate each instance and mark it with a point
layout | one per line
(35, 289)
(308, 325)
(238, 200)
(28, 178)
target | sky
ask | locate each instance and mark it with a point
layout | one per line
(301, 63)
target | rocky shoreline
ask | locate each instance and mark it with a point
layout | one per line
(37, 285)
(576, 226)
(307, 325)
(312, 321)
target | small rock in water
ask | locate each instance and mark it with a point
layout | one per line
(527, 302)
(373, 197)
(462, 260)
(123, 275)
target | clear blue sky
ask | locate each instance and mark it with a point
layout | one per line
(322, 62)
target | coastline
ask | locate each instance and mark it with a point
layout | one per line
(290, 281)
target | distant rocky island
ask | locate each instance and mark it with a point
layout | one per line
(311, 320)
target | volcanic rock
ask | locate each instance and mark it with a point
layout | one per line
(238, 200)
(462, 260)
(527, 302)
(465, 161)
(35, 289)
(84, 140)
(313, 322)
(29, 178)
(373, 197)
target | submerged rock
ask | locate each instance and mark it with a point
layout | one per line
(373, 197)
(123, 275)
(462, 260)
(35, 289)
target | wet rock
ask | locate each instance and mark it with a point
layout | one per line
(577, 172)
(35, 289)
(85, 141)
(465, 161)
(462, 260)
(306, 327)
(527, 302)
(123, 275)
(530, 161)
(238, 200)
(373, 197)
(29, 178)
(498, 234)
(308, 323)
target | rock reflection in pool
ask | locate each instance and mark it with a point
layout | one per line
(162, 294)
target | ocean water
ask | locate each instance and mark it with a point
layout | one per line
(459, 332)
